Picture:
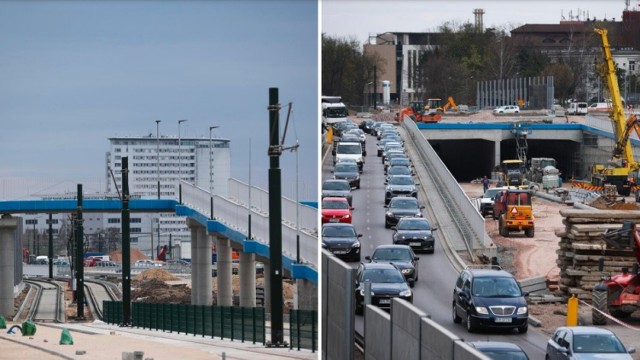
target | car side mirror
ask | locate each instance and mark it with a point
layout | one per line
(631, 350)
(364, 153)
(434, 229)
(421, 207)
(367, 258)
(525, 293)
(393, 228)
(417, 184)
(563, 350)
(359, 235)
(333, 152)
(411, 282)
(416, 258)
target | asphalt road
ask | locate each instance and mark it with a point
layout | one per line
(433, 291)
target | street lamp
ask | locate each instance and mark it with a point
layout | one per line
(211, 167)
(158, 153)
(180, 151)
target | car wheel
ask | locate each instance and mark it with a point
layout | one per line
(386, 225)
(502, 229)
(599, 302)
(523, 329)
(359, 309)
(470, 325)
(456, 319)
(529, 232)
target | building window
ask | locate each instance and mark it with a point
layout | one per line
(31, 221)
(632, 65)
(136, 220)
(136, 230)
(114, 221)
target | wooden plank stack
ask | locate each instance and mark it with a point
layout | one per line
(581, 247)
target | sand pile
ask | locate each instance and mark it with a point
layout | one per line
(135, 255)
(155, 274)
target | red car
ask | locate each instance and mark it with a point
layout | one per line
(336, 209)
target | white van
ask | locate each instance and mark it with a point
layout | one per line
(578, 108)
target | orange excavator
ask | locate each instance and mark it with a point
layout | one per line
(418, 112)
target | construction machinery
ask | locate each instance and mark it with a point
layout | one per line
(451, 104)
(623, 163)
(512, 172)
(618, 295)
(419, 112)
(544, 171)
(512, 208)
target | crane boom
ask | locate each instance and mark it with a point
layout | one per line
(623, 162)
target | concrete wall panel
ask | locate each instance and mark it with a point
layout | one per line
(462, 351)
(377, 334)
(405, 330)
(436, 341)
(338, 308)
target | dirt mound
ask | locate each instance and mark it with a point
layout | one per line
(135, 255)
(155, 274)
(602, 204)
(157, 291)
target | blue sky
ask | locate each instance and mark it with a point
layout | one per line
(73, 74)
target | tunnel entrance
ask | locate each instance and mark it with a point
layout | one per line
(471, 159)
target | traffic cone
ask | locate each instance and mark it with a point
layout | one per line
(65, 337)
(3, 322)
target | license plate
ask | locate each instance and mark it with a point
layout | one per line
(385, 301)
(504, 320)
(334, 220)
(415, 244)
(340, 252)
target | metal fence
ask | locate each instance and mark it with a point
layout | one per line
(225, 322)
(303, 326)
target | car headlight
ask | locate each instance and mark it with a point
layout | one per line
(419, 214)
(482, 310)
(356, 244)
(405, 293)
(407, 271)
(389, 213)
(522, 310)
(346, 216)
(362, 292)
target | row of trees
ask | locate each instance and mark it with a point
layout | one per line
(463, 57)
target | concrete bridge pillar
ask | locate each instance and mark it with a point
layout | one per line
(8, 226)
(203, 254)
(225, 291)
(496, 161)
(195, 266)
(305, 295)
(247, 273)
(267, 287)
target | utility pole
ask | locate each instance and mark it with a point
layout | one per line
(50, 253)
(275, 219)
(158, 154)
(126, 245)
(79, 257)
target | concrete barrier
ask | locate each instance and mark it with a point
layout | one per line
(377, 334)
(436, 341)
(338, 308)
(405, 330)
(463, 351)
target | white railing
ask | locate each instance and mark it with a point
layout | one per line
(239, 192)
(236, 216)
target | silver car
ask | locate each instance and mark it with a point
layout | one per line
(586, 342)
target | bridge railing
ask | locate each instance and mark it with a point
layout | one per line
(236, 216)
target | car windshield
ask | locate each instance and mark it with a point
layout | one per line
(391, 254)
(349, 149)
(597, 343)
(495, 287)
(399, 170)
(491, 193)
(346, 168)
(399, 161)
(382, 276)
(400, 180)
(505, 354)
(413, 225)
(336, 185)
(339, 231)
(333, 204)
(403, 203)
(337, 112)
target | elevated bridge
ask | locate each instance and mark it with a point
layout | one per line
(228, 229)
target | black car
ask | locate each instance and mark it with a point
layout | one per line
(337, 188)
(489, 297)
(387, 282)
(399, 207)
(401, 256)
(500, 350)
(342, 240)
(347, 171)
(415, 232)
(400, 185)
(367, 126)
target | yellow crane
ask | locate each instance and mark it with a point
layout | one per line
(623, 163)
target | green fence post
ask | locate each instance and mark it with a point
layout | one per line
(313, 331)
(233, 322)
(242, 312)
(202, 318)
(213, 319)
(221, 323)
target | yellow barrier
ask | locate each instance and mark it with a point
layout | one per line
(572, 311)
